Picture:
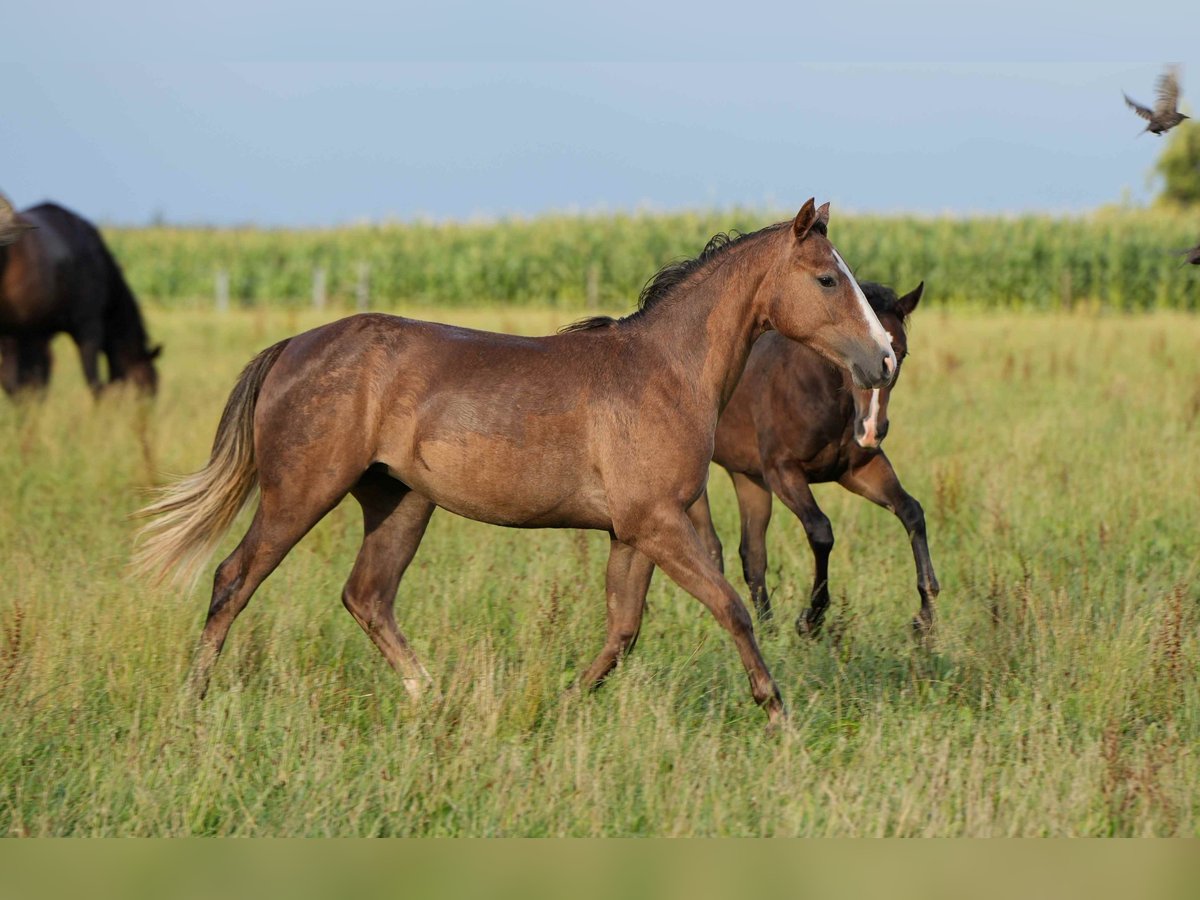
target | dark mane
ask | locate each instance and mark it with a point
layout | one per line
(670, 276)
(882, 299)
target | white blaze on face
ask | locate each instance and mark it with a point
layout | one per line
(871, 423)
(876, 329)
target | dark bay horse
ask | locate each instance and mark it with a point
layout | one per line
(57, 275)
(608, 426)
(795, 420)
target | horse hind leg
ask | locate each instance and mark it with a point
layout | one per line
(627, 581)
(754, 510)
(394, 521)
(286, 512)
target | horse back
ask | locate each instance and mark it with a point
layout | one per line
(53, 274)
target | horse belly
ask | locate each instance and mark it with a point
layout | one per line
(493, 479)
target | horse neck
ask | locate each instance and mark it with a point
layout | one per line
(708, 325)
(125, 332)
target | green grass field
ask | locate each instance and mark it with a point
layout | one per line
(1055, 455)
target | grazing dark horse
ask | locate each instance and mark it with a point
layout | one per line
(796, 420)
(56, 275)
(608, 426)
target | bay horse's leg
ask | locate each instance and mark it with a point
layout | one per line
(286, 511)
(789, 482)
(10, 365)
(754, 511)
(667, 537)
(89, 357)
(877, 482)
(24, 364)
(35, 363)
(394, 520)
(701, 516)
(627, 580)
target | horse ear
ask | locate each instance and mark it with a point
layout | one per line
(155, 352)
(823, 215)
(909, 301)
(804, 219)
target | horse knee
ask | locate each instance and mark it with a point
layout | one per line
(820, 535)
(912, 514)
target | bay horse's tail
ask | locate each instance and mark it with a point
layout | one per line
(191, 515)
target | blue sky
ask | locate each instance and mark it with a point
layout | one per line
(277, 115)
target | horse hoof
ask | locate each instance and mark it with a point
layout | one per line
(808, 625)
(776, 718)
(923, 631)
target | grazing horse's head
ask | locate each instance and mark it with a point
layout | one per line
(811, 296)
(871, 405)
(136, 369)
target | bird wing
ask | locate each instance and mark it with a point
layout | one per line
(1168, 92)
(1142, 111)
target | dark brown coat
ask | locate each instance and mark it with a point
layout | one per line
(795, 420)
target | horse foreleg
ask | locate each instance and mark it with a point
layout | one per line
(793, 489)
(667, 537)
(877, 481)
(394, 521)
(627, 580)
(89, 357)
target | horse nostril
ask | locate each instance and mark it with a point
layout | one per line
(883, 430)
(889, 365)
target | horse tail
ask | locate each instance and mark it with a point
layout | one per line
(191, 515)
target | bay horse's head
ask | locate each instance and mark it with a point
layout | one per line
(11, 227)
(811, 296)
(871, 405)
(136, 369)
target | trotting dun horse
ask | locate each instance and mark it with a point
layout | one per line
(609, 427)
(56, 275)
(795, 420)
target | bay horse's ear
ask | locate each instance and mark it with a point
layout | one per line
(155, 352)
(823, 216)
(804, 219)
(909, 301)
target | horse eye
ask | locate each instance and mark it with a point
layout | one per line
(826, 280)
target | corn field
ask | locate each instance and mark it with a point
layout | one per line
(1119, 259)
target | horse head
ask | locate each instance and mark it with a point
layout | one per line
(871, 406)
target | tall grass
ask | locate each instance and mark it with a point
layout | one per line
(1053, 454)
(1121, 259)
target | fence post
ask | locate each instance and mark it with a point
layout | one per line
(362, 290)
(221, 286)
(318, 287)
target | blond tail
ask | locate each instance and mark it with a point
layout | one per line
(191, 516)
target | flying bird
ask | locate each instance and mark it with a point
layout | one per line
(1165, 114)
(10, 228)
